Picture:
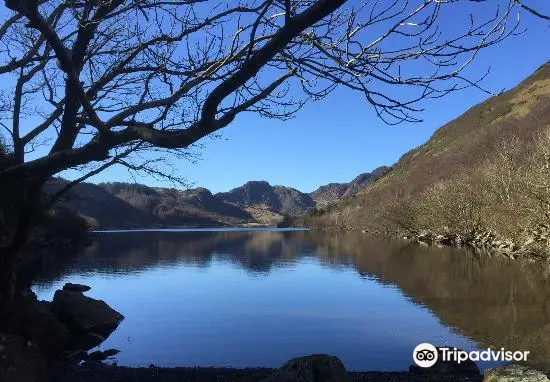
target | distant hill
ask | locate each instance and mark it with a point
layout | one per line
(168, 206)
(334, 192)
(99, 207)
(268, 204)
(130, 205)
(483, 170)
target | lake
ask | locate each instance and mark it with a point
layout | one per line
(259, 297)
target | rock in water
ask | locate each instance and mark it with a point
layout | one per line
(514, 373)
(313, 368)
(76, 287)
(101, 355)
(85, 314)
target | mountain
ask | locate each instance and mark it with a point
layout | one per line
(268, 204)
(334, 192)
(169, 206)
(99, 207)
(483, 170)
(125, 205)
(131, 205)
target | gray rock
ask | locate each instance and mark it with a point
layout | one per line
(529, 241)
(514, 373)
(76, 287)
(84, 314)
(313, 368)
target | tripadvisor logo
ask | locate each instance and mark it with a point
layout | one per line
(426, 355)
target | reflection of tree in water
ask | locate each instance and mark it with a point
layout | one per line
(494, 301)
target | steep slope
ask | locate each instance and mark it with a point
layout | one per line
(268, 204)
(99, 207)
(334, 192)
(474, 171)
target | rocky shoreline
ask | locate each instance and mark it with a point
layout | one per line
(198, 374)
(314, 368)
(535, 245)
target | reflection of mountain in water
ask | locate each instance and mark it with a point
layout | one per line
(494, 301)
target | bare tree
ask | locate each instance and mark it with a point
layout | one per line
(535, 186)
(92, 83)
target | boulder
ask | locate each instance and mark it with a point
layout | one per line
(20, 360)
(425, 236)
(35, 321)
(313, 368)
(444, 239)
(514, 373)
(529, 241)
(76, 287)
(39, 325)
(84, 314)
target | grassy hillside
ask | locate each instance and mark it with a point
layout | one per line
(486, 171)
(334, 192)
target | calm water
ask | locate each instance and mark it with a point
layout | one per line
(259, 297)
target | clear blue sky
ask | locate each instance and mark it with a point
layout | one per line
(337, 138)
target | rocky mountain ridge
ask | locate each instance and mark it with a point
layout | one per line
(334, 192)
(131, 205)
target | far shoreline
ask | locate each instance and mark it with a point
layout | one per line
(100, 372)
(200, 229)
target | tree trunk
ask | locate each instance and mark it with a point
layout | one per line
(20, 202)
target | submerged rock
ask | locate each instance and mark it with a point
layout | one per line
(101, 355)
(514, 373)
(313, 368)
(76, 287)
(85, 314)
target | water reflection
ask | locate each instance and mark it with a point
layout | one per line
(342, 293)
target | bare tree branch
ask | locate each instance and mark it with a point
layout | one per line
(97, 78)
